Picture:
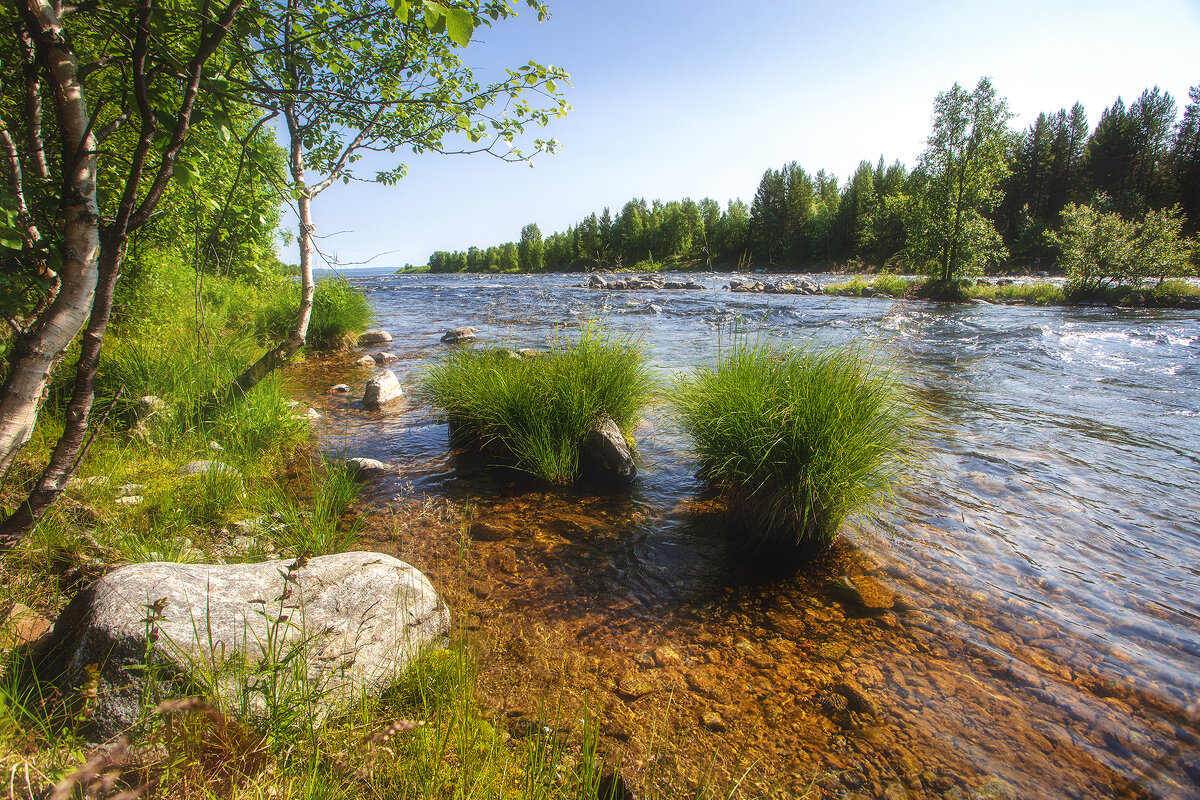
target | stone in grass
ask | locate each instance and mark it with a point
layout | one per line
(460, 334)
(22, 626)
(150, 406)
(364, 469)
(355, 619)
(208, 468)
(605, 454)
(374, 337)
(382, 389)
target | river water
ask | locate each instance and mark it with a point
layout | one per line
(1039, 633)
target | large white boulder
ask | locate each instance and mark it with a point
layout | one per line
(353, 621)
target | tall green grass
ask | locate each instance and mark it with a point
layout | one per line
(340, 312)
(798, 439)
(533, 413)
(889, 285)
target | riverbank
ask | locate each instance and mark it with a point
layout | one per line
(247, 484)
(1028, 571)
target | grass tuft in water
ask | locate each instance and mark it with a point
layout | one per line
(533, 412)
(798, 439)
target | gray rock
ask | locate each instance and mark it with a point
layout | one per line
(384, 357)
(604, 452)
(340, 388)
(363, 469)
(597, 282)
(365, 361)
(374, 337)
(382, 389)
(355, 619)
(150, 406)
(459, 334)
(208, 467)
(809, 287)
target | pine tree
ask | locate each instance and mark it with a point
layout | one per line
(1185, 161)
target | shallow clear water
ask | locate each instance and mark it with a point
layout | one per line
(1052, 534)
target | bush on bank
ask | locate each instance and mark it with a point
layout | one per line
(797, 439)
(533, 412)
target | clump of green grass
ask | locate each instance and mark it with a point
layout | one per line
(323, 525)
(889, 285)
(533, 413)
(798, 439)
(1032, 293)
(340, 312)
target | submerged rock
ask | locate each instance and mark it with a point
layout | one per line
(382, 389)
(374, 337)
(364, 469)
(365, 361)
(384, 357)
(355, 619)
(861, 594)
(604, 452)
(462, 333)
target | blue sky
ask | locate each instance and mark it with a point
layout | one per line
(674, 99)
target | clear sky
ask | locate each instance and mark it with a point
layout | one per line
(696, 98)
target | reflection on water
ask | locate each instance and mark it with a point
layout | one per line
(1039, 630)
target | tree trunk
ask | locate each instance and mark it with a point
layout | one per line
(38, 350)
(64, 457)
(283, 352)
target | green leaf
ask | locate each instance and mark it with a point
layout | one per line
(463, 121)
(185, 173)
(460, 25)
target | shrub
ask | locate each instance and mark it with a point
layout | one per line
(1103, 249)
(532, 413)
(798, 439)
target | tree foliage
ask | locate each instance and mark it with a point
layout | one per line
(1103, 248)
(956, 184)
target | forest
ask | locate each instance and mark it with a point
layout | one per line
(1139, 158)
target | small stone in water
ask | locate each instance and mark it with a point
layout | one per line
(832, 651)
(666, 656)
(632, 686)
(712, 720)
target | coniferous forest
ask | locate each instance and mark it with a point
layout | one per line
(1140, 158)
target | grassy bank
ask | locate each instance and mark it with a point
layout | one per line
(797, 440)
(425, 737)
(1169, 294)
(532, 412)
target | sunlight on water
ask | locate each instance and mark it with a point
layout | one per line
(1045, 554)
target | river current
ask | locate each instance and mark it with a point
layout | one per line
(1042, 562)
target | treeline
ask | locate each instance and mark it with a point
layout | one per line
(1139, 158)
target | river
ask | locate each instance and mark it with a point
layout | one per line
(1042, 563)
